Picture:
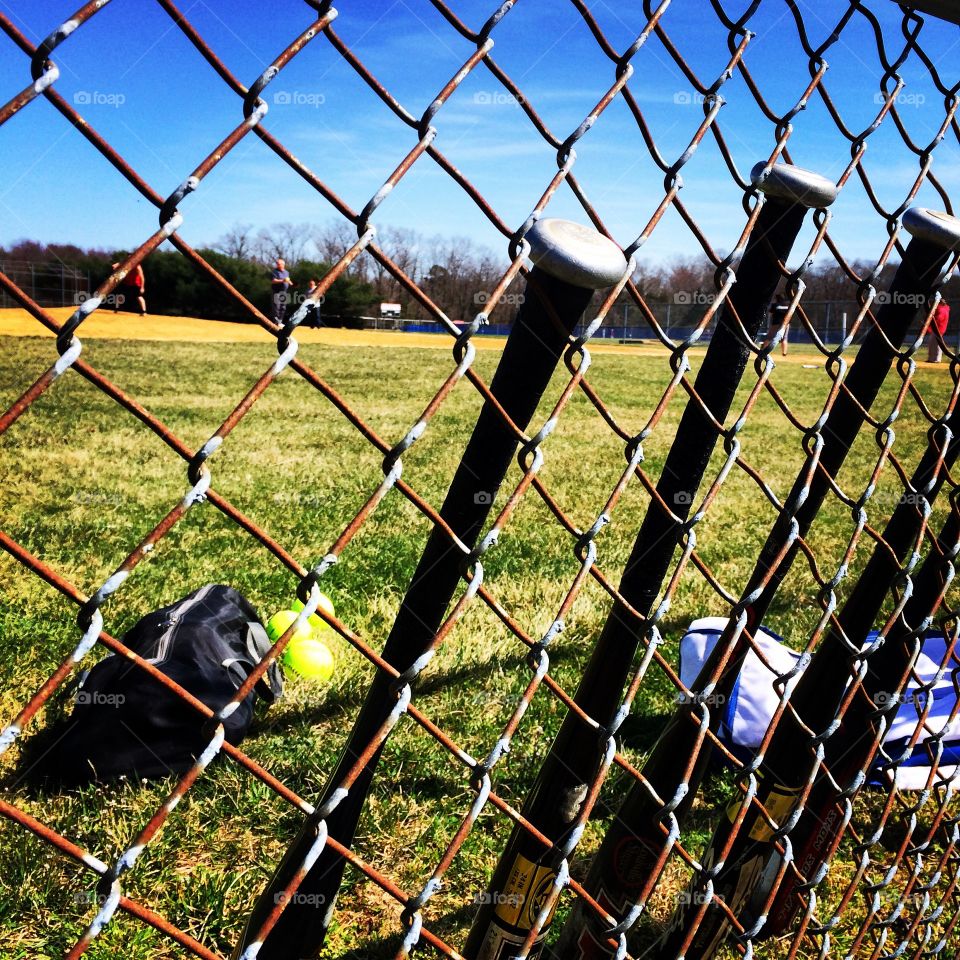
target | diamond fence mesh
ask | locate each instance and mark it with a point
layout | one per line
(892, 889)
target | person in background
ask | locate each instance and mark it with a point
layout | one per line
(131, 289)
(279, 281)
(941, 319)
(778, 312)
(313, 313)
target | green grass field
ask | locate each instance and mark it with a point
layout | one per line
(83, 482)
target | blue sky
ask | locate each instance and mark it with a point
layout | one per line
(158, 102)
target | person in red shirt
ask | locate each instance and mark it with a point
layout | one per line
(941, 318)
(133, 287)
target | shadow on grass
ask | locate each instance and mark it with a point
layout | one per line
(638, 733)
(456, 921)
(381, 949)
(332, 707)
(646, 934)
(40, 739)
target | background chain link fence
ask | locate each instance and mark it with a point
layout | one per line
(891, 897)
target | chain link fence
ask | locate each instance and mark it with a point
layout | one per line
(895, 897)
(47, 284)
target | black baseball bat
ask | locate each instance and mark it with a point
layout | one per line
(570, 262)
(852, 749)
(753, 876)
(510, 910)
(750, 862)
(632, 854)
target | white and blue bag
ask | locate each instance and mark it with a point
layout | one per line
(754, 700)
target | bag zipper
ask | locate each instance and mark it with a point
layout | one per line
(163, 645)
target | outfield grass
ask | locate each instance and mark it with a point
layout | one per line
(83, 482)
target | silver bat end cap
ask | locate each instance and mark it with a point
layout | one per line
(579, 255)
(793, 184)
(933, 226)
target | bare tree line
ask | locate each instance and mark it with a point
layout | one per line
(459, 275)
(454, 272)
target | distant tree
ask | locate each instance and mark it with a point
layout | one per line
(29, 251)
(403, 247)
(203, 297)
(347, 296)
(436, 283)
(238, 242)
(650, 280)
(334, 240)
(460, 277)
(688, 288)
(287, 240)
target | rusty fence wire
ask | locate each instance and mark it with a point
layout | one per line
(911, 907)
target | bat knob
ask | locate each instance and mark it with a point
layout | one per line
(934, 226)
(793, 184)
(576, 254)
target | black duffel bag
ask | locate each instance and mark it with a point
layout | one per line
(125, 722)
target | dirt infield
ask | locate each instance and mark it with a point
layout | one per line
(126, 326)
(105, 325)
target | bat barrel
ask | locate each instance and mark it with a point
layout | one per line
(793, 185)
(575, 254)
(941, 230)
(554, 804)
(571, 262)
